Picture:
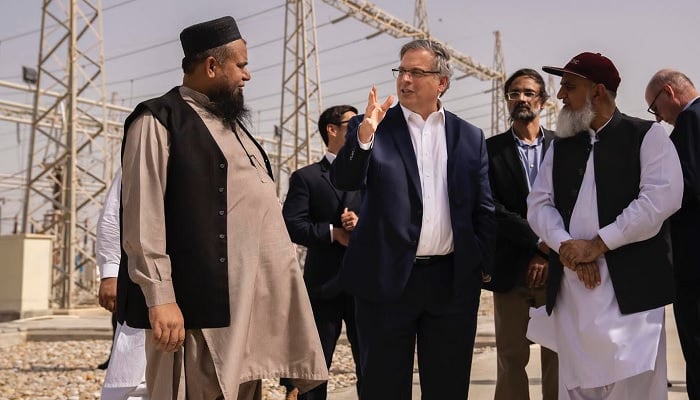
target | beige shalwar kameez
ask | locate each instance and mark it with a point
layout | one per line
(272, 332)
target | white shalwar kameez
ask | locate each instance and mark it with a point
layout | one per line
(602, 353)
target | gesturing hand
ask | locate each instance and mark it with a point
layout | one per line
(168, 326)
(374, 114)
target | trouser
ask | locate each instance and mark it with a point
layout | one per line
(687, 313)
(188, 373)
(511, 314)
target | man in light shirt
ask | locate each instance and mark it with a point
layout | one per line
(426, 233)
(600, 200)
(125, 377)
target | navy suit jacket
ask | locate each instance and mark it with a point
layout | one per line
(685, 223)
(312, 204)
(382, 250)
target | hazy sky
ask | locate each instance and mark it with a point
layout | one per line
(640, 36)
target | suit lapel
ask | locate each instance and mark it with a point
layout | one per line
(511, 159)
(325, 174)
(402, 138)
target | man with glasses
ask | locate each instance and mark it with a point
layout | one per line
(416, 257)
(602, 194)
(521, 260)
(321, 217)
(672, 97)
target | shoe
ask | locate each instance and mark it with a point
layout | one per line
(292, 394)
(105, 364)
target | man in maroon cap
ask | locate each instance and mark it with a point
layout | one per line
(209, 267)
(600, 201)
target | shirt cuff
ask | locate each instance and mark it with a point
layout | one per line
(366, 146)
(331, 232)
(109, 270)
(556, 241)
(158, 293)
(612, 236)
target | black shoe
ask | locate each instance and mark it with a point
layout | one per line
(103, 365)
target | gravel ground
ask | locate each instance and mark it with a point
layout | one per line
(66, 370)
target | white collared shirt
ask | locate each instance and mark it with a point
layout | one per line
(430, 147)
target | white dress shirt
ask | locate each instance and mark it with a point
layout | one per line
(596, 344)
(430, 147)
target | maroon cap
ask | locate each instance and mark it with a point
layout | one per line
(593, 66)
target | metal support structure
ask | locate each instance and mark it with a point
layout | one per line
(68, 146)
(384, 22)
(551, 107)
(301, 92)
(499, 109)
(420, 18)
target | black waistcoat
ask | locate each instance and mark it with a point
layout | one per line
(640, 272)
(195, 220)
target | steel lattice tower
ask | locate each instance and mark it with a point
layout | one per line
(301, 91)
(499, 114)
(68, 145)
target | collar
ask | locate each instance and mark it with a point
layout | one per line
(538, 140)
(330, 157)
(690, 103)
(408, 113)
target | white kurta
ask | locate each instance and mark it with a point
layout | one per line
(125, 377)
(597, 345)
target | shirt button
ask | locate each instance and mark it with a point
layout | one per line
(222, 212)
(222, 165)
(222, 259)
(222, 236)
(221, 190)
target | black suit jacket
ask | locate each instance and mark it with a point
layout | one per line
(685, 223)
(516, 243)
(311, 206)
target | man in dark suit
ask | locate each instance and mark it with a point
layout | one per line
(673, 98)
(321, 217)
(520, 264)
(426, 236)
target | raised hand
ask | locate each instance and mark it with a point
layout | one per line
(374, 114)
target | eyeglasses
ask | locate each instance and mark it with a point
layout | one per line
(515, 95)
(652, 107)
(415, 73)
(342, 122)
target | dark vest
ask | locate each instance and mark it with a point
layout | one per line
(195, 220)
(640, 272)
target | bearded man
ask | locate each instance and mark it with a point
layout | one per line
(521, 259)
(211, 271)
(601, 197)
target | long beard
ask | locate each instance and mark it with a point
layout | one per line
(569, 123)
(229, 106)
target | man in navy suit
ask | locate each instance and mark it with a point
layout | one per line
(321, 217)
(417, 256)
(672, 97)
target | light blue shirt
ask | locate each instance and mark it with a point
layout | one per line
(530, 156)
